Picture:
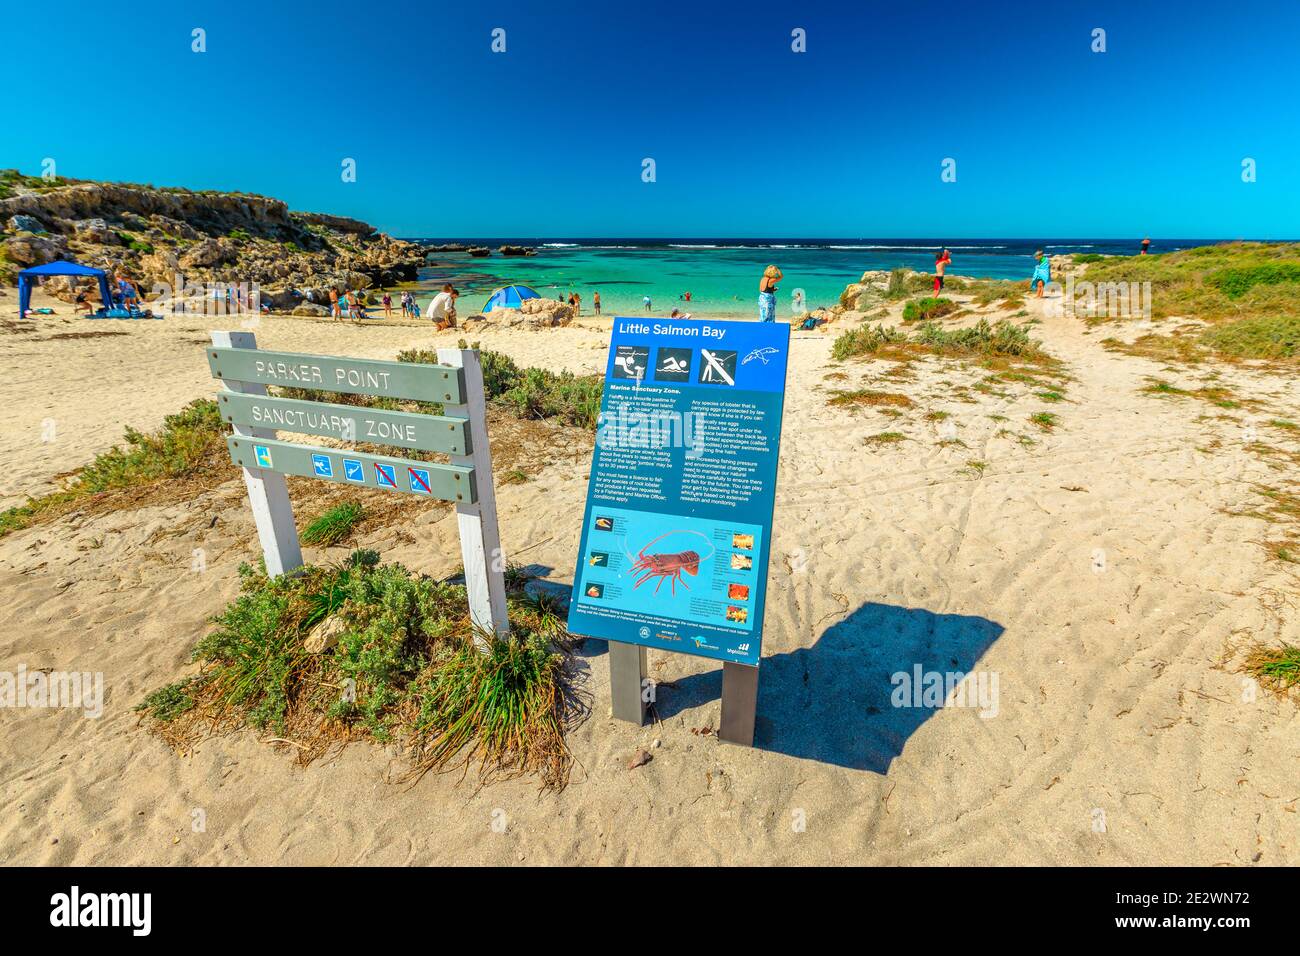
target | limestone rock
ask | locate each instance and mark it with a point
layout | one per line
(545, 313)
(29, 251)
(324, 635)
(21, 223)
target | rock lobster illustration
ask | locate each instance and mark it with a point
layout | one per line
(667, 566)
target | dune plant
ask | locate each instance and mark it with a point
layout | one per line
(927, 309)
(865, 340)
(1276, 668)
(333, 525)
(188, 440)
(400, 665)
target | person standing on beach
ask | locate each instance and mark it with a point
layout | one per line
(767, 293)
(1146, 246)
(334, 303)
(577, 304)
(388, 306)
(942, 259)
(1042, 273)
(595, 302)
(645, 300)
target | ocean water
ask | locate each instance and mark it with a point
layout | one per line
(722, 275)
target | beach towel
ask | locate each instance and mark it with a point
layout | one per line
(766, 307)
(1042, 273)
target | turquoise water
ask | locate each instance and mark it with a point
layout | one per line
(722, 278)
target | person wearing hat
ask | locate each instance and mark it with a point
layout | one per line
(767, 293)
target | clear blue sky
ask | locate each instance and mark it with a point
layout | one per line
(749, 138)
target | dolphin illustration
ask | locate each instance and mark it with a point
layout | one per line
(760, 354)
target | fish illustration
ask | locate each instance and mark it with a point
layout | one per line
(760, 354)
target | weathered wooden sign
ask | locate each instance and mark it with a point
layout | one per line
(348, 422)
(460, 433)
(418, 382)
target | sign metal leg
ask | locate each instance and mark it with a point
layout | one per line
(627, 673)
(739, 703)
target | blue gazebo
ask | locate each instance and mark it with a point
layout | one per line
(509, 297)
(60, 268)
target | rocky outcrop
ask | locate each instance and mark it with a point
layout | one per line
(479, 252)
(517, 251)
(155, 235)
(866, 293)
(28, 250)
(21, 223)
(535, 314)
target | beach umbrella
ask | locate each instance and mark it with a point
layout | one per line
(509, 297)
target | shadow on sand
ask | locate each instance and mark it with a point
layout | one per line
(831, 702)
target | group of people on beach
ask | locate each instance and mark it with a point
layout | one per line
(442, 308)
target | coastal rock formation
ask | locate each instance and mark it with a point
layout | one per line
(517, 251)
(866, 293)
(534, 313)
(479, 252)
(28, 250)
(157, 235)
(26, 224)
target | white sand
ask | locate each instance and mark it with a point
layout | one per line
(1119, 738)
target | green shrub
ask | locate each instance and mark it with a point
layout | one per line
(1236, 282)
(865, 340)
(404, 668)
(1258, 338)
(927, 309)
(1000, 338)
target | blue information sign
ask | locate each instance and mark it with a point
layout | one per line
(678, 526)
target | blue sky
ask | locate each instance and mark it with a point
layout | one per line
(749, 138)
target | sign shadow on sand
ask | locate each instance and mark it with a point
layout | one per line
(835, 701)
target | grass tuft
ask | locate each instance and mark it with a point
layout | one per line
(1276, 668)
(334, 525)
(187, 440)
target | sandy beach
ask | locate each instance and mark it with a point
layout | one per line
(1104, 568)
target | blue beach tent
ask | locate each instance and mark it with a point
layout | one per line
(509, 297)
(26, 277)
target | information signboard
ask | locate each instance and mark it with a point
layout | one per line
(677, 530)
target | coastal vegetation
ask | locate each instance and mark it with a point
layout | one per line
(333, 525)
(1276, 668)
(190, 444)
(1247, 294)
(927, 309)
(983, 339)
(362, 650)
(531, 392)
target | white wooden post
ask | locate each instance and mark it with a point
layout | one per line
(480, 538)
(268, 495)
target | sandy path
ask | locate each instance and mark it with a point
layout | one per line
(1103, 612)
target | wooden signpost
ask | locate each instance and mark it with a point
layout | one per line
(460, 433)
